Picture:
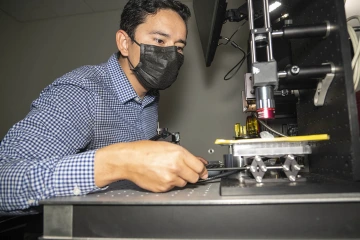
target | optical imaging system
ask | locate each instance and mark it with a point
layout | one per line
(291, 171)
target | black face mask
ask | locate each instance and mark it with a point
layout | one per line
(158, 67)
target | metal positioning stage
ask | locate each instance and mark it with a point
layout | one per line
(124, 211)
(270, 166)
(257, 152)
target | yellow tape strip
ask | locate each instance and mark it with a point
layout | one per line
(306, 138)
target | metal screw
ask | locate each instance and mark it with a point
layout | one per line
(286, 168)
(284, 92)
(177, 137)
(292, 178)
(211, 151)
(252, 169)
(263, 168)
(291, 157)
(295, 69)
(296, 167)
(258, 179)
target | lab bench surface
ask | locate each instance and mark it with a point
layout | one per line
(125, 211)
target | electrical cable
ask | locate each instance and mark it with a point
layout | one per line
(268, 127)
(242, 60)
(232, 35)
(355, 63)
(238, 65)
(221, 175)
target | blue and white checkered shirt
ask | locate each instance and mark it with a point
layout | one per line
(51, 152)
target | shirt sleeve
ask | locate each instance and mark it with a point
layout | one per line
(44, 155)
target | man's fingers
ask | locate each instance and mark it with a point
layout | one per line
(203, 160)
(188, 174)
(204, 174)
(180, 182)
(193, 162)
(196, 164)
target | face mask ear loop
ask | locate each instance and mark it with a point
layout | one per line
(132, 66)
(135, 42)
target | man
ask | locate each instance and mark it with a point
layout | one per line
(89, 128)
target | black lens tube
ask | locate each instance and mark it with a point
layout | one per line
(303, 77)
(304, 31)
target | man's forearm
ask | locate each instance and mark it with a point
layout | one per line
(24, 182)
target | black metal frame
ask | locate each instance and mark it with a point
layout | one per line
(275, 221)
(339, 157)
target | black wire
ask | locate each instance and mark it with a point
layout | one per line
(242, 60)
(232, 35)
(221, 175)
(238, 65)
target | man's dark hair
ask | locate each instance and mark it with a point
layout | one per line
(136, 11)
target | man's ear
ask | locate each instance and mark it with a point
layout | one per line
(122, 42)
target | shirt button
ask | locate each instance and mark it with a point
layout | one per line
(77, 191)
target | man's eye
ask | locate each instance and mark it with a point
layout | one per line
(180, 49)
(159, 41)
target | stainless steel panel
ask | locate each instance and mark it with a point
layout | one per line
(58, 221)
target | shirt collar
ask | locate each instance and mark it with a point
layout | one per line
(122, 86)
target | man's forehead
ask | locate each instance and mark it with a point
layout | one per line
(165, 17)
(166, 22)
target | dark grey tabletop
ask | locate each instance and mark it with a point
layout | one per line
(127, 193)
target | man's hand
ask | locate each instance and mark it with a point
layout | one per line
(155, 166)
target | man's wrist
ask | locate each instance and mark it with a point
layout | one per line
(111, 165)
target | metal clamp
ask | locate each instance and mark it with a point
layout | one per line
(258, 168)
(323, 87)
(291, 167)
(165, 135)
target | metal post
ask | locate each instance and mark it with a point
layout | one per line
(251, 24)
(267, 25)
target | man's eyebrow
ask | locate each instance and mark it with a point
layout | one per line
(168, 36)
